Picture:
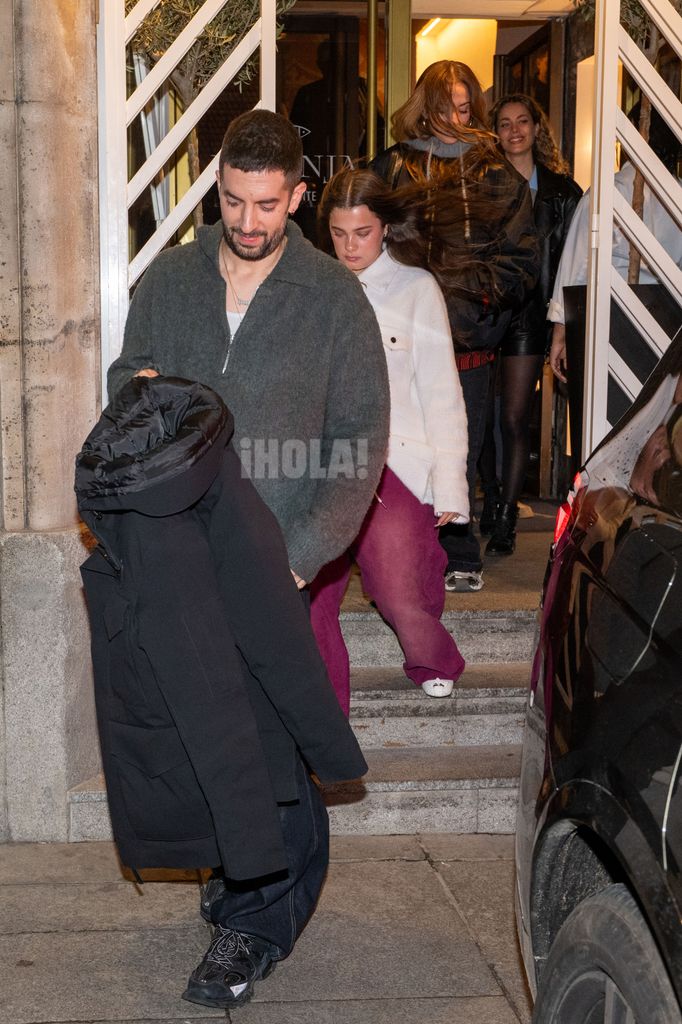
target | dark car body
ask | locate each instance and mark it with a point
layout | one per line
(600, 798)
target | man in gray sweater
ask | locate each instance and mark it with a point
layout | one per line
(287, 338)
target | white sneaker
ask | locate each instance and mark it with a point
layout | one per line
(463, 582)
(438, 687)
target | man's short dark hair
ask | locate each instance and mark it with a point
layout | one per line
(261, 140)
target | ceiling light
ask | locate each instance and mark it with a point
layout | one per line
(427, 28)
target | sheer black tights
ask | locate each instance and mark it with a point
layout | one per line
(519, 376)
(487, 460)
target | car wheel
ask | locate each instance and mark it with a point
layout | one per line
(604, 968)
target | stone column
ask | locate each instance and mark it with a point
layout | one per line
(49, 396)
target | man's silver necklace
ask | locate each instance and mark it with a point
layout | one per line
(241, 304)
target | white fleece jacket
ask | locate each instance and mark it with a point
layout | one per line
(428, 427)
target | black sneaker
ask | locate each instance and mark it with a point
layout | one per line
(213, 890)
(233, 963)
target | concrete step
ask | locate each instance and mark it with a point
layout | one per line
(482, 636)
(408, 790)
(89, 812)
(487, 707)
(432, 789)
(492, 677)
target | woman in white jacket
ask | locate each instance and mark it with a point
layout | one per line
(423, 485)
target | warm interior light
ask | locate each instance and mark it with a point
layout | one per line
(441, 38)
(586, 84)
(427, 28)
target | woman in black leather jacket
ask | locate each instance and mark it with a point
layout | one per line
(526, 140)
(478, 206)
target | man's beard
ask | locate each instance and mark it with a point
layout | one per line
(269, 244)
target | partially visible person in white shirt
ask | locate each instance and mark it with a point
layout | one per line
(573, 265)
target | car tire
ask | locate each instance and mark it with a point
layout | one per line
(604, 963)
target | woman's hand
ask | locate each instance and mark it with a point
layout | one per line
(148, 372)
(446, 517)
(557, 352)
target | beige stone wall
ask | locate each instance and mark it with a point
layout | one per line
(49, 276)
(11, 432)
(49, 398)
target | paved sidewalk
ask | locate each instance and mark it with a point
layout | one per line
(410, 929)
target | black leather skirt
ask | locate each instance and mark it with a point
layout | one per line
(524, 341)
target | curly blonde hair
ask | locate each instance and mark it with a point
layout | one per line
(545, 149)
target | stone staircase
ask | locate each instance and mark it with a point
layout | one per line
(435, 765)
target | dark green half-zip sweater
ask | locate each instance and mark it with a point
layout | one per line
(306, 369)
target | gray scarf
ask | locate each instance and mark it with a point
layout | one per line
(449, 151)
(436, 147)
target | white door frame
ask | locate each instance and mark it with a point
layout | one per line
(117, 111)
(609, 209)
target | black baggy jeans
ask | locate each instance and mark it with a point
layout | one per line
(276, 907)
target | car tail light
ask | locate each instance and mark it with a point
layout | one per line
(564, 514)
(562, 517)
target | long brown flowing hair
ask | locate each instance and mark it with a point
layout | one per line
(429, 108)
(545, 149)
(425, 229)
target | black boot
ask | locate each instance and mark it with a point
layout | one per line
(503, 540)
(491, 497)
